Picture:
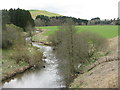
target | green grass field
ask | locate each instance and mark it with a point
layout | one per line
(106, 31)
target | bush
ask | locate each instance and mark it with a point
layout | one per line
(87, 45)
(10, 35)
(30, 55)
(77, 48)
(56, 38)
(14, 38)
(36, 57)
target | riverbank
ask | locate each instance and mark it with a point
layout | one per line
(46, 77)
(101, 74)
(16, 62)
(9, 66)
(40, 37)
(15, 72)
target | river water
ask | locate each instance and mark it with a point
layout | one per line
(48, 77)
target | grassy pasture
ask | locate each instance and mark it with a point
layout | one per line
(34, 13)
(106, 31)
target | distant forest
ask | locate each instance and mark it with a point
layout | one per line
(22, 18)
(42, 20)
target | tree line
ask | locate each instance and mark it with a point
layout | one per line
(19, 17)
(15, 21)
(98, 21)
(42, 20)
(17, 25)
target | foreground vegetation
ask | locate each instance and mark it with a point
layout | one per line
(17, 53)
(81, 51)
(12, 59)
(8, 64)
(76, 50)
(105, 71)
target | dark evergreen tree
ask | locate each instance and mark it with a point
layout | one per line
(59, 20)
(5, 19)
(20, 17)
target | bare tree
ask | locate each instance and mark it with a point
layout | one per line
(73, 49)
(88, 45)
(29, 29)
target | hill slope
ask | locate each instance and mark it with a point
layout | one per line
(34, 13)
(104, 75)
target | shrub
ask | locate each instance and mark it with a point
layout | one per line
(56, 38)
(77, 48)
(14, 38)
(20, 54)
(10, 35)
(36, 57)
(87, 45)
(30, 55)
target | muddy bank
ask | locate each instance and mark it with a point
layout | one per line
(105, 75)
(15, 72)
(14, 69)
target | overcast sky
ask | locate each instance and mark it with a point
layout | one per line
(85, 9)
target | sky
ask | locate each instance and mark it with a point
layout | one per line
(85, 9)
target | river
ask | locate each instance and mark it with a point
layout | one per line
(48, 77)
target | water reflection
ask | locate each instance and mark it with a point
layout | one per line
(42, 78)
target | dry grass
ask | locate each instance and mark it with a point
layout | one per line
(104, 75)
(34, 13)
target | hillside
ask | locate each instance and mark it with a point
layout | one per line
(104, 74)
(34, 13)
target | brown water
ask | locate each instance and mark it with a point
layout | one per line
(47, 77)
